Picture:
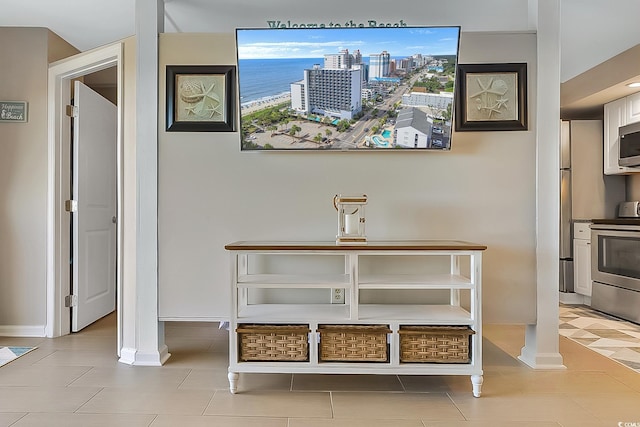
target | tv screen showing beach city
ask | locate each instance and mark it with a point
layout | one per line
(347, 88)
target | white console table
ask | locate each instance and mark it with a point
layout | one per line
(357, 281)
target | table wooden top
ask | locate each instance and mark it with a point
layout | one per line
(380, 245)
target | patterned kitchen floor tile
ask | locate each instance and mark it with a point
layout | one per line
(612, 337)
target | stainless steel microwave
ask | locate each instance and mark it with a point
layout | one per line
(629, 147)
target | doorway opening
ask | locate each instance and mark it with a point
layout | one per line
(93, 64)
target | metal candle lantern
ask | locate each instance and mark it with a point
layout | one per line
(350, 218)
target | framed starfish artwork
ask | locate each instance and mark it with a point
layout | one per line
(200, 98)
(491, 97)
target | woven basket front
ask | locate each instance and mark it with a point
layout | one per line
(354, 343)
(273, 342)
(435, 344)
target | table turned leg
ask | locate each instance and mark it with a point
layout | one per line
(476, 382)
(233, 381)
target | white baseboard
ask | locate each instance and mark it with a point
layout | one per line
(23, 331)
(131, 356)
(572, 298)
(541, 360)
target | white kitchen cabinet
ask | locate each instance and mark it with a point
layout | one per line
(633, 108)
(582, 258)
(615, 115)
(269, 280)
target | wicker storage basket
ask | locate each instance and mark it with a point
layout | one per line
(435, 344)
(273, 342)
(354, 343)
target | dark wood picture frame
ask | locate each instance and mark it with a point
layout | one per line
(200, 98)
(491, 97)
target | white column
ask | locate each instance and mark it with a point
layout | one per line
(541, 348)
(143, 334)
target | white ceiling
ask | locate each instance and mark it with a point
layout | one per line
(592, 31)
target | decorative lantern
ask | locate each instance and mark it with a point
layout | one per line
(350, 219)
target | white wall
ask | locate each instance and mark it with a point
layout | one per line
(212, 194)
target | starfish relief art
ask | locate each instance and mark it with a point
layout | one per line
(200, 99)
(490, 100)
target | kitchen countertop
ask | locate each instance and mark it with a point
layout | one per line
(617, 221)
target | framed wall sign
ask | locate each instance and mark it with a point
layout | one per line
(200, 98)
(13, 111)
(491, 97)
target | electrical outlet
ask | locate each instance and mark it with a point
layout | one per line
(337, 296)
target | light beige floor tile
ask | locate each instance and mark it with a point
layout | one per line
(133, 377)
(196, 359)
(42, 376)
(495, 356)
(319, 382)
(631, 380)
(94, 343)
(611, 408)
(132, 401)
(8, 419)
(206, 379)
(364, 422)
(216, 379)
(249, 382)
(209, 420)
(523, 407)
(201, 330)
(566, 382)
(271, 404)
(180, 345)
(570, 423)
(436, 383)
(44, 399)
(84, 420)
(500, 384)
(509, 338)
(376, 405)
(103, 326)
(492, 423)
(80, 358)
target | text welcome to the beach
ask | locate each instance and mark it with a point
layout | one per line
(348, 24)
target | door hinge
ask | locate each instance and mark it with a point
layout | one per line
(72, 111)
(71, 205)
(71, 301)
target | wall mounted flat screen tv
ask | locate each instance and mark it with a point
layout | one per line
(347, 88)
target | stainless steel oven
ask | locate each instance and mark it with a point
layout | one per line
(615, 268)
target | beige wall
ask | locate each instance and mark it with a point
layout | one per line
(23, 175)
(633, 187)
(129, 218)
(211, 194)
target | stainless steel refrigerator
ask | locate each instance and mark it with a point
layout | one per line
(585, 192)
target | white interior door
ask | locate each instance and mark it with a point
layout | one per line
(94, 189)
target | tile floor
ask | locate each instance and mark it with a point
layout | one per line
(77, 381)
(607, 335)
